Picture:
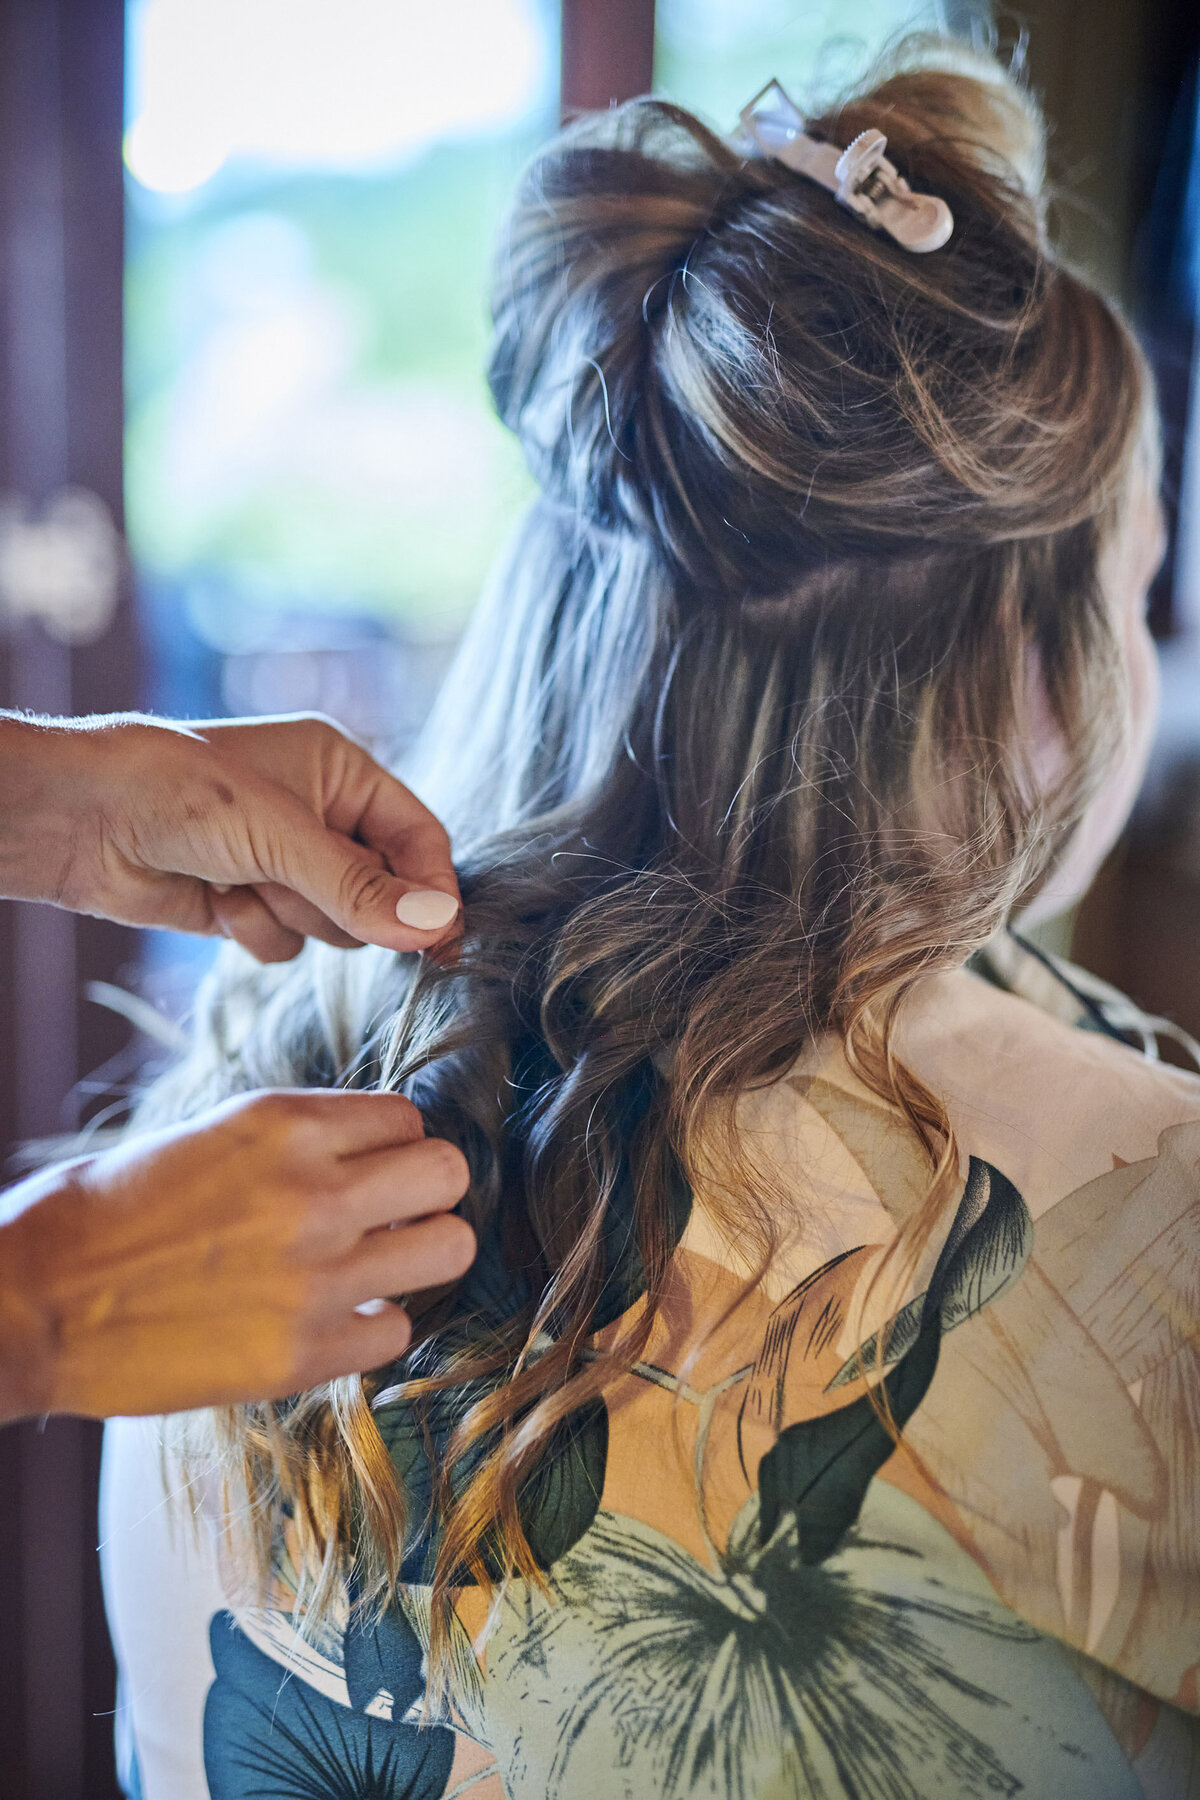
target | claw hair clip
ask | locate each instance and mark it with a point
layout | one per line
(860, 176)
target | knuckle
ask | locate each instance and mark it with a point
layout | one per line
(240, 1106)
(270, 1359)
(288, 1119)
(319, 1214)
(456, 1242)
(303, 1211)
(401, 1119)
(248, 1122)
(315, 1357)
(448, 1167)
(292, 1228)
(438, 836)
(273, 1106)
(362, 889)
(302, 1295)
(407, 1114)
(319, 724)
(324, 735)
(390, 1338)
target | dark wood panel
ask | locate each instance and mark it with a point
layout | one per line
(61, 421)
(607, 52)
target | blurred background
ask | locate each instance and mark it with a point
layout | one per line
(247, 465)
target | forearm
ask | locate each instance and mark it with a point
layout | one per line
(26, 1349)
(268, 830)
(238, 1257)
(40, 774)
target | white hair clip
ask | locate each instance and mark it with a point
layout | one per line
(860, 176)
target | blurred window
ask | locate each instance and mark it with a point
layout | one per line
(315, 481)
(714, 55)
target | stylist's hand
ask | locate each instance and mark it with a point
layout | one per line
(224, 1260)
(268, 831)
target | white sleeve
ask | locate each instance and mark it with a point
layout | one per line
(161, 1588)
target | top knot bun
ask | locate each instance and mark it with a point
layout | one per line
(709, 352)
(596, 242)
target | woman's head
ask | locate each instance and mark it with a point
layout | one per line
(707, 352)
(813, 602)
(801, 673)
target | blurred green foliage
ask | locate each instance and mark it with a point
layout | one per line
(308, 424)
(714, 55)
(373, 475)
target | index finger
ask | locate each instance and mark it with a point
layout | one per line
(372, 805)
(347, 1121)
(394, 1185)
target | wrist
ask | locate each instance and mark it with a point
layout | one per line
(27, 1339)
(39, 799)
(64, 785)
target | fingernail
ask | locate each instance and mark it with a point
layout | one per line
(426, 909)
(220, 887)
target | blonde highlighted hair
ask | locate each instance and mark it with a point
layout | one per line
(734, 752)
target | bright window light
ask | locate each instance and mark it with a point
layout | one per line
(714, 55)
(336, 85)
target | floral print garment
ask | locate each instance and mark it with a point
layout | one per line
(752, 1591)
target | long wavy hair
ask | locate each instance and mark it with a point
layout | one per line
(736, 749)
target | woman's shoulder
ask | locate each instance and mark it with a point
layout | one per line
(1057, 1439)
(1046, 1073)
(1064, 1423)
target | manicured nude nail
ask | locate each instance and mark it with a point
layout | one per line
(426, 909)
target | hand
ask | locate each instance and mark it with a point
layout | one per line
(268, 831)
(224, 1260)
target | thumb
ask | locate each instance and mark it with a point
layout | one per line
(345, 880)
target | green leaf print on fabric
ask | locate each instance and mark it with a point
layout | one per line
(985, 1253)
(556, 1502)
(820, 1468)
(269, 1732)
(890, 1671)
(559, 1498)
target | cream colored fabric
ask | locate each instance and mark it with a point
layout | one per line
(1011, 1604)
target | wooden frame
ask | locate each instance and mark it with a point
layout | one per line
(61, 424)
(607, 52)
